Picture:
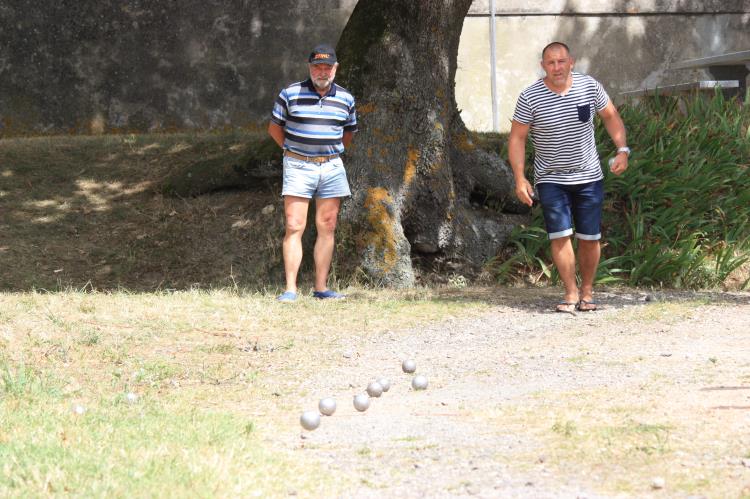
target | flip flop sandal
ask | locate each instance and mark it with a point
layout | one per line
(586, 306)
(566, 307)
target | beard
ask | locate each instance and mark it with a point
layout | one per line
(322, 83)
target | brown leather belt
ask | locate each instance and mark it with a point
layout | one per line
(311, 159)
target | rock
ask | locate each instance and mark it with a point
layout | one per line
(78, 409)
(131, 397)
(658, 483)
(267, 210)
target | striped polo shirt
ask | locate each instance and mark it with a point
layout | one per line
(314, 125)
(562, 130)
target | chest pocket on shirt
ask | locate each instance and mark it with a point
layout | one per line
(584, 113)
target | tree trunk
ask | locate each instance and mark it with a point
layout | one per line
(420, 186)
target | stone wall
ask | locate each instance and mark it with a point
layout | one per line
(104, 65)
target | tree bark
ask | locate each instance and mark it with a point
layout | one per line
(413, 167)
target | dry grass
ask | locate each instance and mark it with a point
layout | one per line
(218, 374)
(86, 212)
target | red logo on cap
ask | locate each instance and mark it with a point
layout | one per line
(321, 56)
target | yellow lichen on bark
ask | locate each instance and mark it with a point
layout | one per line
(412, 156)
(365, 108)
(381, 236)
(463, 142)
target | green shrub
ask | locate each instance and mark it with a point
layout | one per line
(679, 216)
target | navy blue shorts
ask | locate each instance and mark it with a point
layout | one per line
(568, 206)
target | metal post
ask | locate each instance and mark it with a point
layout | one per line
(493, 74)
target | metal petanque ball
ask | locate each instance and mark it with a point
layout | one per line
(385, 383)
(409, 366)
(131, 397)
(361, 402)
(78, 409)
(327, 406)
(374, 389)
(309, 420)
(419, 383)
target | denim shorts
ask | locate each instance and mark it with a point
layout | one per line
(307, 180)
(567, 206)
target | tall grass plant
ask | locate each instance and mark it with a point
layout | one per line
(679, 216)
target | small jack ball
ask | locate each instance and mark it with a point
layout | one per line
(409, 366)
(309, 420)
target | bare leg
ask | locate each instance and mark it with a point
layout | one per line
(564, 258)
(295, 212)
(326, 213)
(588, 261)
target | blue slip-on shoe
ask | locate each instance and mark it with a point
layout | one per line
(328, 294)
(287, 296)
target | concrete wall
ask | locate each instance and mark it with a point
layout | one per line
(625, 44)
(99, 65)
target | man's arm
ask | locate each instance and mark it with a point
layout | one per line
(517, 157)
(347, 139)
(616, 130)
(277, 133)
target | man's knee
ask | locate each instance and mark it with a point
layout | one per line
(588, 243)
(326, 223)
(295, 225)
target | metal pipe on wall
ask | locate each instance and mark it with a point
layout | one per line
(493, 72)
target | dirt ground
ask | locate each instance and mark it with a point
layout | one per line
(647, 397)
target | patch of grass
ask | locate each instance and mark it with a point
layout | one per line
(150, 449)
(21, 381)
(155, 371)
(409, 438)
(577, 359)
(88, 337)
(566, 429)
(217, 375)
(221, 348)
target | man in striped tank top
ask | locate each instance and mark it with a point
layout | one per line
(558, 112)
(313, 121)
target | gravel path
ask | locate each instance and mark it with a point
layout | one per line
(447, 441)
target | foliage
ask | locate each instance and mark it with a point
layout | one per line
(679, 215)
